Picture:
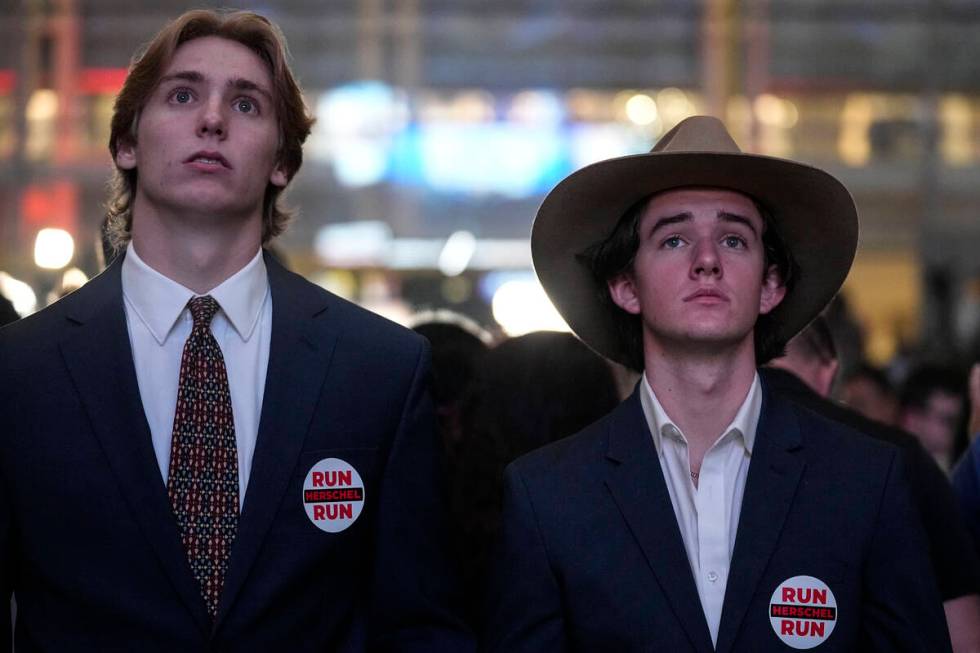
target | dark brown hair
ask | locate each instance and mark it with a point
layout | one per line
(615, 255)
(251, 30)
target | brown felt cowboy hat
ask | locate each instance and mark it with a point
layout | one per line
(813, 213)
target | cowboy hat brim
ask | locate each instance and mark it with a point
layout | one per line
(813, 213)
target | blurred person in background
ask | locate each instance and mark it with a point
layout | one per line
(528, 391)
(202, 450)
(805, 375)
(810, 357)
(458, 347)
(868, 391)
(848, 334)
(706, 512)
(932, 405)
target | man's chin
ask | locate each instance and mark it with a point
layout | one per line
(707, 341)
(215, 207)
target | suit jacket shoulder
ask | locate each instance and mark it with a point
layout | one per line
(30, 345)
(372, 335)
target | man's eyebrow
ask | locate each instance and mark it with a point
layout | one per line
(726, 216)
(186, 75)
(665, 221)
(242, 84)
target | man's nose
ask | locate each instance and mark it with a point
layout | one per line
(212, 120)
(706, 261)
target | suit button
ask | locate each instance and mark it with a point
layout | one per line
(712, 576)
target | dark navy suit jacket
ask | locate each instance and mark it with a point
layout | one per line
(88, 541)
(591, 558)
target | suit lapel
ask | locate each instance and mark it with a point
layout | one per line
(300, 350)
(100, 362)
(774, 474)
(637, 484)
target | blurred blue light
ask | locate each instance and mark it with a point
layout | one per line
(504, 158)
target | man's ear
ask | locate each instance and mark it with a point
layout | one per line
(773, 290)
(622, 289)
(126, 154)
(278, 176)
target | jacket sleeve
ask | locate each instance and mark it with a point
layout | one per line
(414, 605)
(901, 609)
(524, 608)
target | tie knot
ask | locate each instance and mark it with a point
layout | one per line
(203, 310)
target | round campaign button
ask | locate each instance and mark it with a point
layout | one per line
(803, 612)
(333, 495)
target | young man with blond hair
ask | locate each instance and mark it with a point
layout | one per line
(203, 451)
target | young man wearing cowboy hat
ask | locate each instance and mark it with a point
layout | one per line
(705, 513)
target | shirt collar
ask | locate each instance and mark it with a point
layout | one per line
(746, 420)
(158, 300)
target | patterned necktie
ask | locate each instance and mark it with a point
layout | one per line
(203, 479)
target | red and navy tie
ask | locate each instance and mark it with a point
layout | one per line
(203, 479)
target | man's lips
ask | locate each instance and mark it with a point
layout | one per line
(706, 295)
(208, 159)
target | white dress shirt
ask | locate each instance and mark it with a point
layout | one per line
(159, 324)
(707, 514)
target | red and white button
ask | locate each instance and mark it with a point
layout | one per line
(333, 495)
(803, 612)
